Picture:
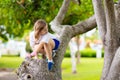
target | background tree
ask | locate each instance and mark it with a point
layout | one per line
(108, 21)
(74, 52)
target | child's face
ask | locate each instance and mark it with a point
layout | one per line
(44, 30)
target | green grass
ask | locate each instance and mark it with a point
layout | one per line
(87, 69)
(10, 62)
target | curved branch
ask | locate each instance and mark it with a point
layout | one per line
(60, 16)
(110, 18)
(118, 1)
(21, 2)
(100, 17)
(84, 26)
(115, 67)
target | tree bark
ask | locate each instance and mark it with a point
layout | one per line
(110, 39)
(32, 69)
(117, 15)
(114, 72)
(56, 22)
(100, 17)
(78, 51)
(74, 50)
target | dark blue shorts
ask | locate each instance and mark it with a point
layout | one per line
(57, 43)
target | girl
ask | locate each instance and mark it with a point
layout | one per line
(43, 42)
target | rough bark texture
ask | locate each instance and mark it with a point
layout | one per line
(110, 38)
(100, 17)
(78, 52)
(114, 72)
(56, 23)
(117, 14)
(84, 26)
(32, 69)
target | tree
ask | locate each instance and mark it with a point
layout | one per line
(108, 22)
(37, 69)
(74, 50)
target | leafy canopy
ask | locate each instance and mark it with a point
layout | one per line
(19, 18)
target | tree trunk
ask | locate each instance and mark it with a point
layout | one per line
(78, 51)
(114, 72)
(74, 49)
(32, 69)
(110, 38)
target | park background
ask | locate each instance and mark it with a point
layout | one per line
(16, 22)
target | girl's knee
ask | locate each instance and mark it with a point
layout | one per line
(51, 43)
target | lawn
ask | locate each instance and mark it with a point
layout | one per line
(10, 62)
(87, 69)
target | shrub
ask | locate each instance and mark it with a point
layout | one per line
(87, 52)
(28, 48)
(67, 53)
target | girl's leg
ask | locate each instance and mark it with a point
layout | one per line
(37, 48)
(48, 49)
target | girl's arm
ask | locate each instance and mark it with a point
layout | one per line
(31, 40)
(39, 47)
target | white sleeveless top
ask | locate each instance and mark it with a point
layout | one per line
(45, 38)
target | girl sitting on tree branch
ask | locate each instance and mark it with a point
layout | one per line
(43, 42)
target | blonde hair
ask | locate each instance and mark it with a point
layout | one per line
(38, 26)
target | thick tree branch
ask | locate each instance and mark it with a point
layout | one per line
(55, 24)
(84, 26)
(110, 38)
(70, 31)
(100, 17)
(33, 69)
(61, 14)
(115, 67)
(110, 18)
(118, 1)
(117, 15)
